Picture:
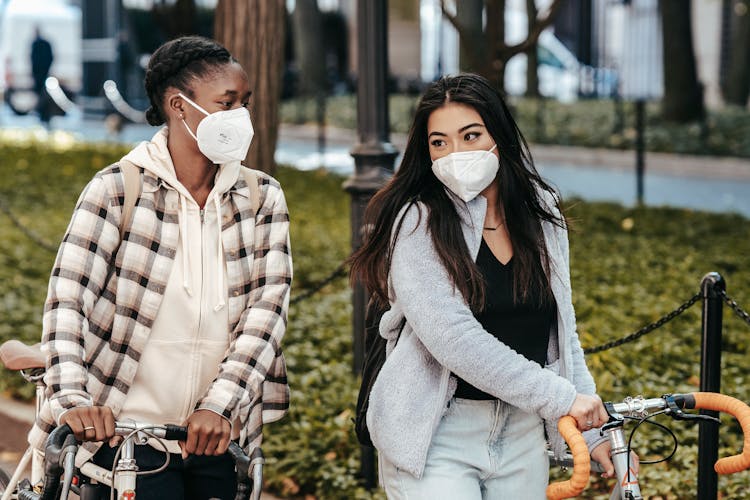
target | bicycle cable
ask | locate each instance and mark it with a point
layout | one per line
(130, 435)
(647, 420)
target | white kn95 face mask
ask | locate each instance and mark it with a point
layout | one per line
(467, 173)
(223, 136)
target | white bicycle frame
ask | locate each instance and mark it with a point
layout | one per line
(31, 455)
(123, 481)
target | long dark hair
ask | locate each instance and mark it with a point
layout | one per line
(518, 183)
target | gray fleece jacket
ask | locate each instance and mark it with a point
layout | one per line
(442, 336)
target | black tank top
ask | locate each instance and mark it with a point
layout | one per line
(524, 326)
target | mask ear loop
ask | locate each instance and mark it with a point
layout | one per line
(193, 104)
(188, 129)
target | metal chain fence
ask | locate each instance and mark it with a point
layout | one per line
(26, 231)
(648, 328)
(337, 273)
(743, 315)
(340, 272)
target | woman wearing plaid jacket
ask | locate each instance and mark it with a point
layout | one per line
(180, 320)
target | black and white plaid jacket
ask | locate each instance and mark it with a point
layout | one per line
(104, 295)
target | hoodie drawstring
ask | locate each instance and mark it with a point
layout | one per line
(219, 258)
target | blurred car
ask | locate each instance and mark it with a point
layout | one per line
(558, 70)
(561, 75)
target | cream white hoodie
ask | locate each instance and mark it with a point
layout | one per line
(190, 335)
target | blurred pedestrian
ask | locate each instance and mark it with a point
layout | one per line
(41, 62)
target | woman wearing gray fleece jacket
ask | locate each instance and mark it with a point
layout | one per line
(468, 245)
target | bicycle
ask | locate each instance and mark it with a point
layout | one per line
(58, 459)
(638, 408)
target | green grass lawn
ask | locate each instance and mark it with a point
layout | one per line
(629, 267)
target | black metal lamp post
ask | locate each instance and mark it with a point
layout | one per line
(374, 156)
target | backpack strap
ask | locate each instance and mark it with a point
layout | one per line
(131, 179)
(251, 178)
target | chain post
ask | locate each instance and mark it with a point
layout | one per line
(712, 287)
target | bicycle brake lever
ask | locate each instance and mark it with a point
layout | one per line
(676, 413)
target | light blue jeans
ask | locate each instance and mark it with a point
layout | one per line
(482, 450)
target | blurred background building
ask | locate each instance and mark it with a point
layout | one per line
(578, 55)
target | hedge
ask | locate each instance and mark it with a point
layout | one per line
(629, 267)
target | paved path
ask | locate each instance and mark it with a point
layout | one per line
(695, 182)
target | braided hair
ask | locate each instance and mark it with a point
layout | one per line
(175, 64)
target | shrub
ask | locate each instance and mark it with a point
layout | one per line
(629, 267)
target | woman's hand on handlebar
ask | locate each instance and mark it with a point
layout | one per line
(208, 434)
(588, 411)
(90, 423)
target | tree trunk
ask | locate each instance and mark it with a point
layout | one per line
(683, 93)
(308, 47)
(494, 66)
(532, 57)
(496, 51)
(738, 79)
(253, 31)
(469, 16)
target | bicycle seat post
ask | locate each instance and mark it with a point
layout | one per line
(125, 472)
(37, 461)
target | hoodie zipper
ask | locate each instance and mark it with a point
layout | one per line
(193, 355)
(200, 304)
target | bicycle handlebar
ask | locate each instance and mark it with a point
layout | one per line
(61, 443)
(581, 462)
(638, 406)
(740, 411)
